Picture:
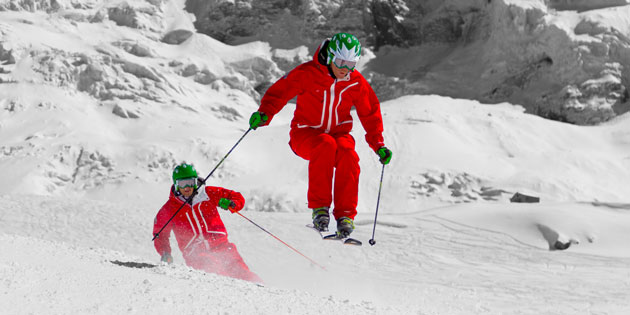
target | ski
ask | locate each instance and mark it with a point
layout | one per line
(335, 237)
(133, 264)
(345, 240)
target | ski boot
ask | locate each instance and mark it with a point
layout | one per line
(321, 218)
(345, 226)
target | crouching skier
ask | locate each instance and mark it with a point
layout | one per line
(199, 231)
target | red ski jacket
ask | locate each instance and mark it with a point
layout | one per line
(324, 103)
(200, 223)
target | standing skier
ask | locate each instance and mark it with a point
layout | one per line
(199, 231)
(327, 87)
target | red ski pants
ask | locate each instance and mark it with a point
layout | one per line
(328, 155)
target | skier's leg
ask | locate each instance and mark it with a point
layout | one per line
(222, 258)
(232, 264)
(321, 170)
(319, 149)
(346, 178)
(196, 256)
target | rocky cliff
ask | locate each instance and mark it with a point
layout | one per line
(561, 59)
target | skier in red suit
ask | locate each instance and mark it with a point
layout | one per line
(327, 88)
(199, 231)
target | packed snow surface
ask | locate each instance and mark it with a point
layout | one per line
(462, 259)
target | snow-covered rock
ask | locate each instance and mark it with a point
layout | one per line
(562, 65)
(585, 5)
(283, 24)
(120, 66)
(567, 66)
(560, 59)
(132, 68)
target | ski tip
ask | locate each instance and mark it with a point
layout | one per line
(352, 241)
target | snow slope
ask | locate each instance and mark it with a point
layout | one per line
(463, 259)
(443, 244)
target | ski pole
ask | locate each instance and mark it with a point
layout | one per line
(281, 241)
(202, 183)
(378, 200)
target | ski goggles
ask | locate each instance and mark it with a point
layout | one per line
(186, 182)
(341, 63)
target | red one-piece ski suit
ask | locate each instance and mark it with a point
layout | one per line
(200, 233)
(320, 129)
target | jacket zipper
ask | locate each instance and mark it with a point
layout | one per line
(332, 102)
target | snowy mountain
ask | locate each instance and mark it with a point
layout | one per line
(100, 99)
(564, 60)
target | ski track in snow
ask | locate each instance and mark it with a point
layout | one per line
(80, 281)
(522, 271)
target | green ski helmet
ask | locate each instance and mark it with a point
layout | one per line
(344, 46)
(183, 171)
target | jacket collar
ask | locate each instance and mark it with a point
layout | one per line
(177, 196)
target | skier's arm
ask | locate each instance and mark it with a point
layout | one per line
(277, 96)
(237, 200)
(369, 112)
(162, 243)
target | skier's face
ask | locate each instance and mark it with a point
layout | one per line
(186, 191)
(339, 73)
(186, 186)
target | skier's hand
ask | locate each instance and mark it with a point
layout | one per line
(385, 155)
(257, 119)
(167, 258)
(227, 204)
